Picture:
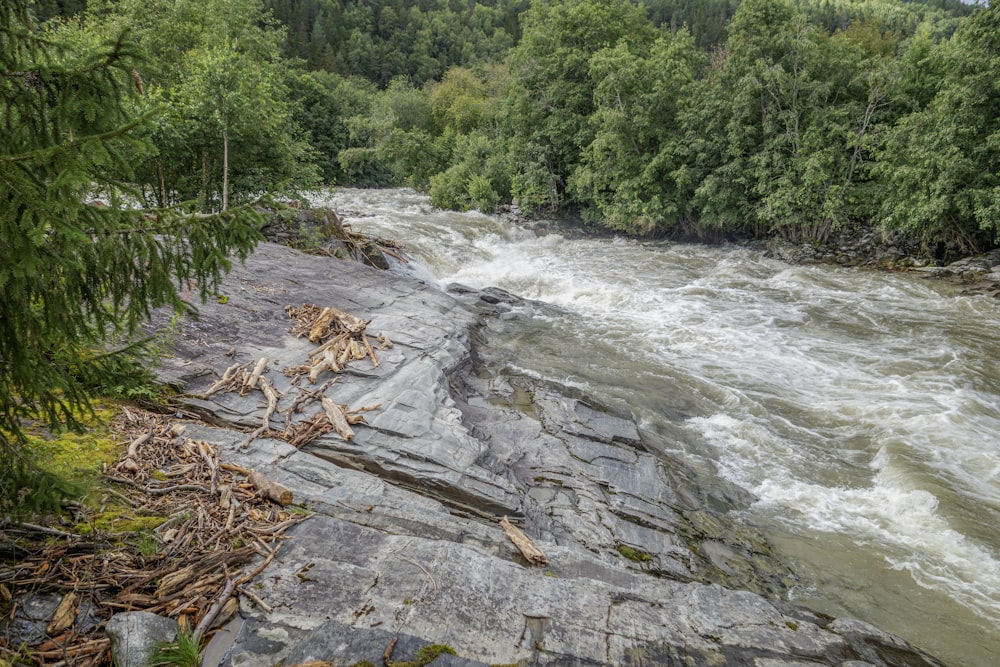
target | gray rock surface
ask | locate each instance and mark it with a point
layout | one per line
(136, 635)
(647, 562)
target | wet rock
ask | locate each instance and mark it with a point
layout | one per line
(647, 563)
(136, 635)
(31, 615)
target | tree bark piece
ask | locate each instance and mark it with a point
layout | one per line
(523, 544)
(64, 616)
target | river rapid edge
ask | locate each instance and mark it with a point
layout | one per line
(610, 431)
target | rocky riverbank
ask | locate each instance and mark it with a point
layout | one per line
(647, 561)
(979, 274)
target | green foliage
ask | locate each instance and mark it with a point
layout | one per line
(185, 651)
(228, 131)
(78, 274)
(476, 179)
(323, 103)
(795, 118)
(941, 162)
(626, 173)
(380, 40)
(545, 114)
(425, 655)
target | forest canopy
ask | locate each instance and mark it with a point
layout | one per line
(707, 119)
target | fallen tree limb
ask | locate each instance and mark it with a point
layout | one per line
(272, 405)
(209, 618)
(523, 544)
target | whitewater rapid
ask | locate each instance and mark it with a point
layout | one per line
(861, 409)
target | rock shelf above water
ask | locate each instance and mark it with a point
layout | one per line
(648, 563)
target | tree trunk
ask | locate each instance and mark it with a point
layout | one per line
(225, 169)
(204, 180)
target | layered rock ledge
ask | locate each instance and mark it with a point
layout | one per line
(648, 563)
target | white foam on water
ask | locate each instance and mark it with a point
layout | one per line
(849, 402)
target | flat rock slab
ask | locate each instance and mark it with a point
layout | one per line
(646, 565)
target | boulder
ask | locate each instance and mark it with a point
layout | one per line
(136, 635)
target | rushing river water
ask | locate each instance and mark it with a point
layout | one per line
(862, 409)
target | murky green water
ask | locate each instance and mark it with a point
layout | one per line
(862, 409)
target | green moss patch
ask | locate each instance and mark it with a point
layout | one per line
(634, 555)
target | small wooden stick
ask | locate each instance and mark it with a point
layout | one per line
(523, 544)
(256, 600)
(387, 655)
(333, 342)
(272, 404)
(223, 381)
(232, 467)
(258, 370)
(371, 351)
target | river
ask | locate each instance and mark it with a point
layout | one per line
(861, 409)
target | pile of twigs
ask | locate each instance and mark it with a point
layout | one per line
(216, 518)
(341, 337)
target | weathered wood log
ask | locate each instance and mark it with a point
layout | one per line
(321, 325)
(523, 544)
(271, 489)
(371, 351)
(337, 418)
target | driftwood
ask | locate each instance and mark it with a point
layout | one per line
(128, 463)
(224, 381)
(272, 405)
(215, 521)
(523, 544)
(271, 489)
(337, 419)
(341, 336)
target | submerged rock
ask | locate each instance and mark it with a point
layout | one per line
(647, 561)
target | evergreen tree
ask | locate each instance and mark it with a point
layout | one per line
(75, 274)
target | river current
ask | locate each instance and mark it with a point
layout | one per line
(861, 409)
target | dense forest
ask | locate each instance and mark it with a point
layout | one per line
(703, 119)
